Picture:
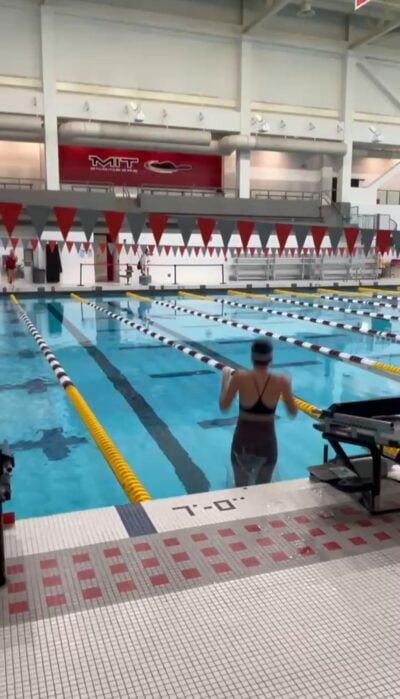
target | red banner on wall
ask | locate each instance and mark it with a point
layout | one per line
(134, 168)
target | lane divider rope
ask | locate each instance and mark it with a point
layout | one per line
(294, 292)
(328, 290)
(312, 347)
(337, 309)
(359, 302)
(380, 334)
(304, 406)
(130, 484)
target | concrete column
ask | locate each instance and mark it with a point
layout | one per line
(346, 167)
(243, 174)
(243, 158)
(326, 179)
(47, 25)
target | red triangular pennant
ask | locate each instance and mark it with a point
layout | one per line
(182, 249)
(282, 232)
(34, 243)
(114, 221)
(251, 251)
(351, 235)
(383, 241)
(70, 244)
(135, 248)
(245, 230)
(118, 247)
(86, 246)
(150, 249)
(52, 245)
(65, 218)
(157, 223)
(10, 214)
(167, 249)
(206, 227)
(211, 251)
(102, 248)
(329, 252)
(196, 251)
(318, 234)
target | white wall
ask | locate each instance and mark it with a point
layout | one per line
(296, 77)
(20, 41)
(21, 160)
(124, 55)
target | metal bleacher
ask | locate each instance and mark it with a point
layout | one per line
(346, 268)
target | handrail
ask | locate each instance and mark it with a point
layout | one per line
(174, 266)
(128, 481)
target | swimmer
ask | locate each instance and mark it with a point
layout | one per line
(254, 450)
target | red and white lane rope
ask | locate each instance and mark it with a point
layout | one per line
(61, 375)
(382, 334)
(156, 336)
(312, 347)
(337, 309)
(357, 302)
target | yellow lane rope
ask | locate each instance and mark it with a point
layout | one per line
(336, 292)
(378, 290)
(248, 294)
(294, 292)
(128, 481)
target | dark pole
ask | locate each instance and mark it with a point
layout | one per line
(80, 274)
(175, 275)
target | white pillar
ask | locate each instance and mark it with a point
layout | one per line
(47, 24)
(346, 168)
(243, 158)
(243, 174)
(326, 179)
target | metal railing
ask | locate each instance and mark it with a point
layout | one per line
(286, 195)
(130, 268)
(388, 197)
(22, 183)
(372, 221)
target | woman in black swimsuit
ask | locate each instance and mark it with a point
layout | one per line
(254, 449)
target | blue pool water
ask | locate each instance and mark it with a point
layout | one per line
(159, 406)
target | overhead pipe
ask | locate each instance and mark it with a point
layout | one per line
(133, 133)
(229, 144)
(17, 122)
(213, 148)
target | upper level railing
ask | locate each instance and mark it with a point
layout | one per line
(372, 221)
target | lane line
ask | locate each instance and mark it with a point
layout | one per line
(189, 474)
(128, 481)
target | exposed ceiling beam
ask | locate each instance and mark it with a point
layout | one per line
(268, 12)
(377, 33)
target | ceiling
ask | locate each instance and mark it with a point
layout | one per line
(377, 23)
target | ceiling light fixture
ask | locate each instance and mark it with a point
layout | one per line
(306, 11)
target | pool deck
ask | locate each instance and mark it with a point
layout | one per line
(286, 590)
(23, 287)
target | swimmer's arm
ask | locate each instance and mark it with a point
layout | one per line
(229, 389)
(287, 397)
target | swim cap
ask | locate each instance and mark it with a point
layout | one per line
(261, 351)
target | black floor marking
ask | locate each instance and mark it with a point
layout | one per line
(54, 443)
(218, 422)
(31, 386)
(190, 475)
(140, 347)
(179, 374)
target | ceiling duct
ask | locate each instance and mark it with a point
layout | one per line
(229, 144)
(21, 128)
(132, 134)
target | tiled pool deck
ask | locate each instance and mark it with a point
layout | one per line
(288, 590)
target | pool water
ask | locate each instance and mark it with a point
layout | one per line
(159, 406)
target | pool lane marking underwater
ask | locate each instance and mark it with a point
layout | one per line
(311, 410)
(128, 481)
(379, 367)
(380, 334)
(189, 474)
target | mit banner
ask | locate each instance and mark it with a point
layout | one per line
(360, 3)
(135, 168)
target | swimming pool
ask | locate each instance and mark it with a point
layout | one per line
(159, 406)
